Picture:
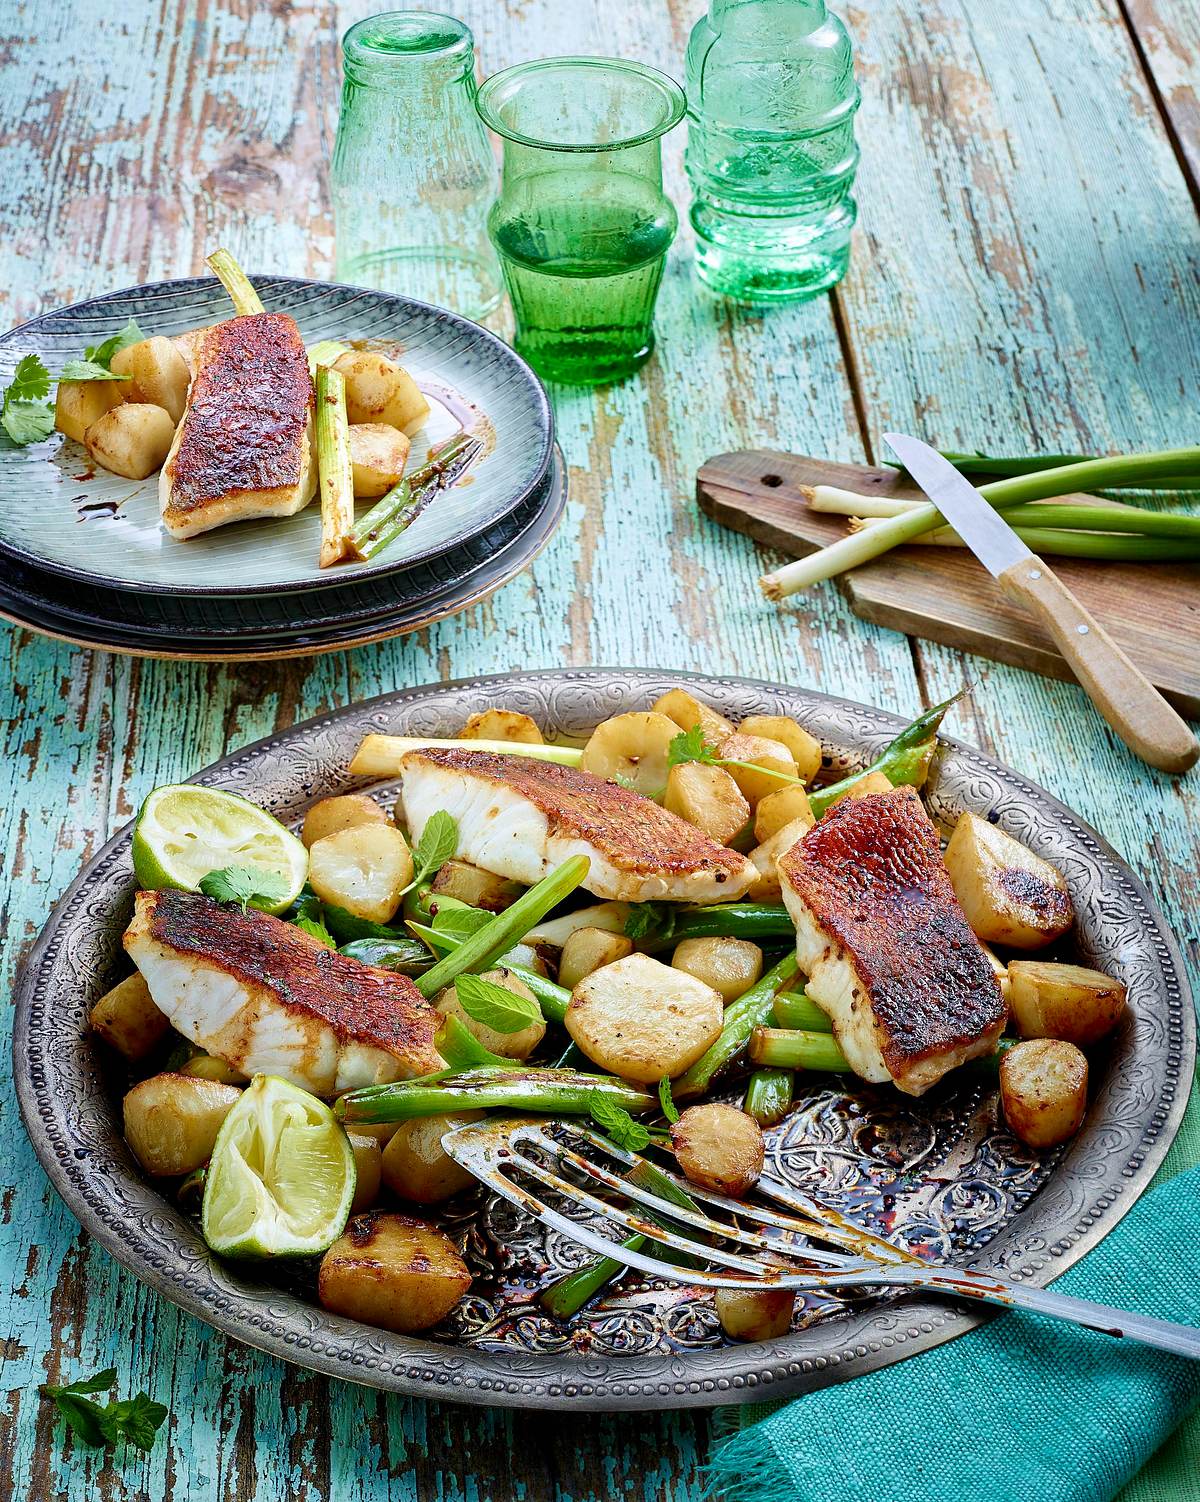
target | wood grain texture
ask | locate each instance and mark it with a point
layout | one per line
(1025, 272)
(1167, 39)
(943, 594)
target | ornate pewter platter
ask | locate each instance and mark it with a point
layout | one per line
(941, 1173)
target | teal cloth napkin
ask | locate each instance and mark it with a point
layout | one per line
(1026, 1409)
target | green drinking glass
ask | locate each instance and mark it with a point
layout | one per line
(582, 226)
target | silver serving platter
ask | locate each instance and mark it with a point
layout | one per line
(941, 1173)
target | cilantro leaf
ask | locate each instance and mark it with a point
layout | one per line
(88, 370)
(103, 354)
(690, 745)
(438, 842)
(619, 1124)
(26, 422)
(665, 1100)
(246, 886)
(460, 922)
(30, 381)
(136, 1420)
(495, 1006)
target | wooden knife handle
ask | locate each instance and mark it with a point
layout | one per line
(1127, 700)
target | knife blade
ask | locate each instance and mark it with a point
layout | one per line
(1123, 695)
(979, 525)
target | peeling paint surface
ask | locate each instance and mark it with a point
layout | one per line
(1024, 274)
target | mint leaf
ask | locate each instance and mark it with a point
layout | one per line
(496, 1007)
(88, 370)
(619, 1124)
(460, 922)
(136, 1420)
(665, 1100)
(101, 1382)
(244, 886)
(30, 381)
(102, 354)
(26, 422)
(690, 745)
(438, 842)
(648, 920)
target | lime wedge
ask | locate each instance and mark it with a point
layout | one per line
(281, 1177)
(183, 832)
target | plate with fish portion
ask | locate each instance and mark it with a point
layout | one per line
(928, 1157)
(62, 510)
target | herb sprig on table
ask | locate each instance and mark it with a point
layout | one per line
(135, 1420)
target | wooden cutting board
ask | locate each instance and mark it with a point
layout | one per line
(944, 594)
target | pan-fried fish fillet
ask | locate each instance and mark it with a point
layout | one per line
(888, 953)
(521, 818)
(244, 445)
(268, 999)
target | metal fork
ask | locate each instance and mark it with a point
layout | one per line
(750, 1245)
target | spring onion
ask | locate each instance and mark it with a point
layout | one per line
(461, 1049)
(235, 281)
(405, 501)
(861, 547)
(1006, 465)
(904, 762)
(334, 467)
(750, 1010)
(325, 352)
(552, 998)
(558, 1092)
(796, 1010)
(381, 755)
(1055, 542)
(794, 1048)
(769, 1095)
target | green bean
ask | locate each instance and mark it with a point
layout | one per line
(554, 1091)
(750, 1010)
(905, 761)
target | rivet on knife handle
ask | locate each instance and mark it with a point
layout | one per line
(1123, 695)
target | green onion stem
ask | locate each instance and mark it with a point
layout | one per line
(235, 281)
(1004, 466)
(742, 1016)
(381, 755)
(485, 946)
(873, 542)
(1109, 547)
(334, 468)
(554, 1091)
(794, 1048)
(553, 999)
(794, 1009)
(461, 1049)
(406, 499)
(769, 1095)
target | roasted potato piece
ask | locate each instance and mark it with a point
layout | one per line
(79, 404)
(363, 869)
(866, 787)
(1043, 1088)
(131, 440)
(368, 1161)
(1063, 1001)
(501, 725)
(477, 888)
(127, 1019)
(719, 1147)
(517, 1045)
(766, 886)
(394, 1272)
(416, 1166)
(729, 966)
(640, 1019)
(378, 454)
(707, 797)
(158, 372)
(379, 391)
(632, 748)
(756, 751)
(172, 1121)
(332, 815)
(1009, 895)
(687, 712)
(754, 1314)
(785, 806)
(805, 749)
(589, 949)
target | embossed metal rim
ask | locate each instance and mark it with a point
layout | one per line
(1133, 1117)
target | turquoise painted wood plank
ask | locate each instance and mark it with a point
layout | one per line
(239, 101)
(1167, 39)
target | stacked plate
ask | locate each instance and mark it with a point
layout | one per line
(83, 556)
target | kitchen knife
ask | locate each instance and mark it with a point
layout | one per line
(1127, 700)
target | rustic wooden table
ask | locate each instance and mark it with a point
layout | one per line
(1024, 275)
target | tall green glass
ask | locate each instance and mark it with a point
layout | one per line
(582, 226)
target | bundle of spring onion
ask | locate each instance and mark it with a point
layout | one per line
(1113, 533)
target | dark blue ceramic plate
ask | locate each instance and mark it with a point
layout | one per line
(98, 528)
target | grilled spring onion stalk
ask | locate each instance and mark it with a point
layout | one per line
(381, 755)
(334, 467)
(388, 517)
(750, 1010)
(325, 352)
(797, 1010)
(793, 1048)
(461, 1049)
(485, 946)
(905, 761)
(1145, 470)
(557, 1092)
(552, 998)
(769, 1095)
(567, 1296)
(235, 281)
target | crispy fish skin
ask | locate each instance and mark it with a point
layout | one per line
(889, 955)
(243, 447)
(265, 997)
(521, 818)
